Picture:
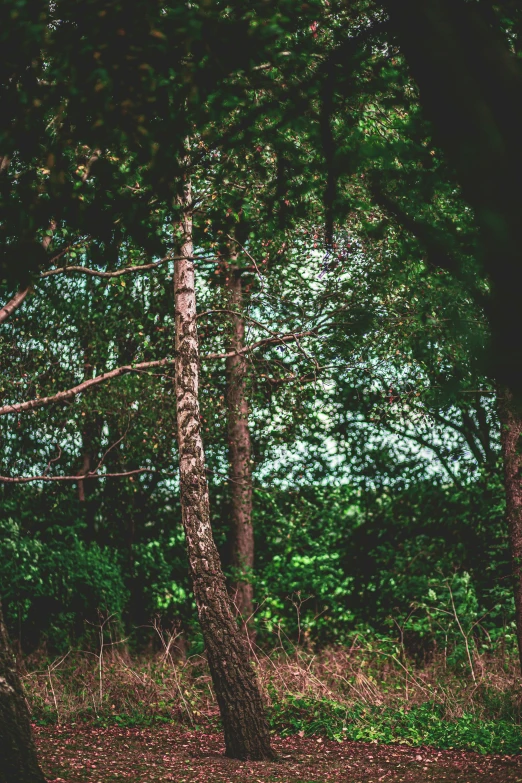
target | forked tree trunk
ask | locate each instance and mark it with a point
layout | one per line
(510, 413)
(237, 692)
(239, 450)
(18, 761)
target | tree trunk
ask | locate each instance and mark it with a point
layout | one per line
(18, 761)
(510, 414)
(237, 692)
(91, 432)
(239, 451)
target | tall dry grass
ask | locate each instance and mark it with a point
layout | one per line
(108, 684)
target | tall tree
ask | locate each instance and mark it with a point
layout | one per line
(510, 414)
(237, 692)
(239, 444)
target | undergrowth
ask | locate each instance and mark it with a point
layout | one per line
(368, 692)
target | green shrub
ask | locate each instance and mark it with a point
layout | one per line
(52, 586)
(423, 724)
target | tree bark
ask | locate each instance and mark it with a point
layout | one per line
(18, 760)
(237, 692)
(91, 432)
(510, 414)
(8, 309)
(87, 435)
(239, 450)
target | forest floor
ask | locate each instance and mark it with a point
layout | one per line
(170, 754)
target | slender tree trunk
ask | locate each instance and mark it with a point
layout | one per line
(510, 413)
(18, 761)
(244, 722)
(239, 450)
(91, 432)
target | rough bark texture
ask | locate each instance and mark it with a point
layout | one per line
(18, 761)
(245, 726)
(239, 450)
(510, 414)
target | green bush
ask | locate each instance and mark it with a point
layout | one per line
(420, 725)
(428, 564)
(52, 586)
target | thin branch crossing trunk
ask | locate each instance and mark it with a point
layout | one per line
(510, 413)
(239, 448)
(18, 760)
(244, 722)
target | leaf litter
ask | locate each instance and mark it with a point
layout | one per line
(170, 754)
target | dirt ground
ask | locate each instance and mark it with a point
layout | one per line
(168, 753)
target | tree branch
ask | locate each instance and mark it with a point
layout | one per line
(14, 303)
(19, 297)
(416, 438)
(81, 477)
(117, 273)
(285, 338)
(69, 394)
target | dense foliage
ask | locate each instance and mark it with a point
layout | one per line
(370, 305)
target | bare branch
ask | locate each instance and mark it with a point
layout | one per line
(81, 477)
(285, 338)
(55, 459)
(14, 303)
(113, 446)
(68, 394)
(245, 251)
(83, 241)
(19, 297)
(118, 272)
(245, 316)
(98, 273)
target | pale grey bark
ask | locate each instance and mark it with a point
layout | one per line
(244, 722)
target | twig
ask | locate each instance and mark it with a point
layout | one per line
(245, 251)
(464, 635)
(56, 459)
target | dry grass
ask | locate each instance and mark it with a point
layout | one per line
(108, 685)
